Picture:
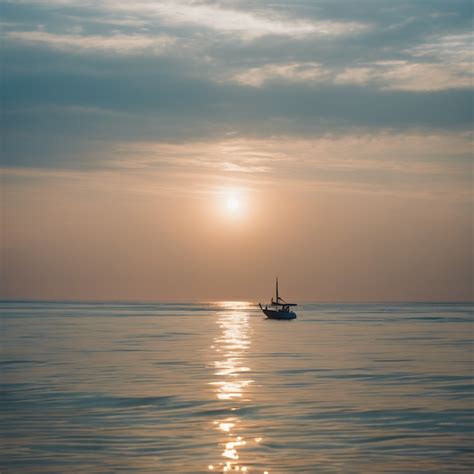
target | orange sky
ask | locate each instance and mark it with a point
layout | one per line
(75, 236)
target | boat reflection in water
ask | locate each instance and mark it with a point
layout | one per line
(231, 385)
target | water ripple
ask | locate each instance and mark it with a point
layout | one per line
(183, 388)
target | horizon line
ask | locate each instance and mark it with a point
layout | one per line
(146, 301)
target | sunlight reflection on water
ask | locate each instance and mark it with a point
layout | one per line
(230, 347)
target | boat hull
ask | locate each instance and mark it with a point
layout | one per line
(284, 315)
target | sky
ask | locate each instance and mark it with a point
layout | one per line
(194, 150)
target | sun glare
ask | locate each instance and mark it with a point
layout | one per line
(233, 203)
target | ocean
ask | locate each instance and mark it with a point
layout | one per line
(214, 387)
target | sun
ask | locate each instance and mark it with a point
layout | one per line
(233, 203)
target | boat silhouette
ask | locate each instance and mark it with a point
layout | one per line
(279, 308)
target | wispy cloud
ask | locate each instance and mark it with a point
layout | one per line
(385, 75)
(408, 76)
(217, 18)
(294, 72)
(210, 15)
(247, 24)
(450, 48)
(308, 71)
(413, 164)
(233, 155)
(116, 43)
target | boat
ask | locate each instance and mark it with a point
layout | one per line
(279, 308)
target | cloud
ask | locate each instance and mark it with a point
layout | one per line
(413, 164)
(183, 71)
(450, 48)
(245, 23)
(74, 43)
(293, 72)
(437, 63)
(404, 75)
(409, 76)
(231, 155)
(211, 16)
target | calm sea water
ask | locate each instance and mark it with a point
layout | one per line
(184, 388)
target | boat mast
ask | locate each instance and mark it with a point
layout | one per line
(277, 299)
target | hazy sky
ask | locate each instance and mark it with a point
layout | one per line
(193, 150)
